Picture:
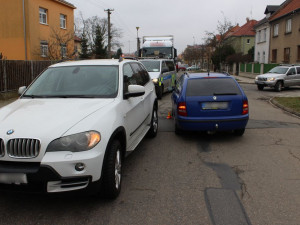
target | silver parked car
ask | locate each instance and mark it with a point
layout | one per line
(279, 77)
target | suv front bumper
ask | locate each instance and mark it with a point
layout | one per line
(56, 173)
(266, 83)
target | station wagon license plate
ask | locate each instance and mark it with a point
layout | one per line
(13, 178)
(214, 105)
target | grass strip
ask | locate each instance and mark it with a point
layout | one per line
(292, 103)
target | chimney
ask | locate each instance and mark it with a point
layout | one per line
(247, 19)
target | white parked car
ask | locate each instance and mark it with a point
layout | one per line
(163, 74)
(72, 127)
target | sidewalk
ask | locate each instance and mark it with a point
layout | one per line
(245, 78)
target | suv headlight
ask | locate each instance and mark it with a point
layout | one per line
(155, 80)
(271, 79)
(76, 142)
(256, 78)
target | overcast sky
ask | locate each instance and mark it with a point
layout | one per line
(187, 20)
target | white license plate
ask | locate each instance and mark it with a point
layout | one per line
(13, 178)
(214, 105)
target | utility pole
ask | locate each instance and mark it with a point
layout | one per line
(109, 35)
(137, 40)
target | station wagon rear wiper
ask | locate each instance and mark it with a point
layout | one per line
(225, 94)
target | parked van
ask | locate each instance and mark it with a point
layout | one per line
(163, 74)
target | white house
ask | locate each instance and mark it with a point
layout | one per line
(262, 37)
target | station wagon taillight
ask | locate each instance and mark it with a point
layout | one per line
(245, 107)
(182, 109)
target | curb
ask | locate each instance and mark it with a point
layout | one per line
(273, 102)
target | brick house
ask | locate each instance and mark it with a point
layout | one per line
(36, 29)
(243, 38)
(285, 33)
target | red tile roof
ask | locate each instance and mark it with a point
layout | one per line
(247, 29)
(231, 31)
(76, 38)
(228, 33)
(286, 8)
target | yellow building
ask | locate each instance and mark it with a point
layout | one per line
(36, 29)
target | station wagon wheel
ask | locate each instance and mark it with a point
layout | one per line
(278, 86)
(239, 132)
(178, 131)
(154, 124)
(112, 171)
(159, 92)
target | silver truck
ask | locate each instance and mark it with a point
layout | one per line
(279, 77)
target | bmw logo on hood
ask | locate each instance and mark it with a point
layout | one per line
(11, 131)
(215, 97)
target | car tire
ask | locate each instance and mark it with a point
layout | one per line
(112, 171)
(260, 87)
(159, 92)
(278, 86)
(178, 131)
(154, 124)
(239, 132)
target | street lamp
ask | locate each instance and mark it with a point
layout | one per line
(138, 41)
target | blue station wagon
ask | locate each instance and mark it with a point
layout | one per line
(209, 102)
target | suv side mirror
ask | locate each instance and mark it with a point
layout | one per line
(134, 91)
(164, 70)
(21, 90)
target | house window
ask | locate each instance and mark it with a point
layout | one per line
(263, 57)
(44, 49)
(259, 36)
(258, 57)
(265, 35)
(288, 26)
(286, 55)
(274, 55)
(275, 30)
(248, 41)
(43, 16)
(63, 51)
(63, 21)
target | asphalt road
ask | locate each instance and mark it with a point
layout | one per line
(192, 178)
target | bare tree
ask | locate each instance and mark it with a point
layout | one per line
(89, 27)
(217, 41)
(60, 45)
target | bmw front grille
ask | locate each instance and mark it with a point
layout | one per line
(23, 148)
(2, 149)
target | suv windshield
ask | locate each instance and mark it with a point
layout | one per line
(76, 82)
(279, 70)
(212, 86)
(152, 66)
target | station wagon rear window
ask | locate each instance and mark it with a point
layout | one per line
(212, 87)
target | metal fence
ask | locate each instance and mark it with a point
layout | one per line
(17, 73)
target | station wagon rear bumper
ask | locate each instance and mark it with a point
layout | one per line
(212, 124)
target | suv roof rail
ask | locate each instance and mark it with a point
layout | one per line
(282, 64)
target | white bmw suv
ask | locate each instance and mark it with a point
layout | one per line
(72, 127)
